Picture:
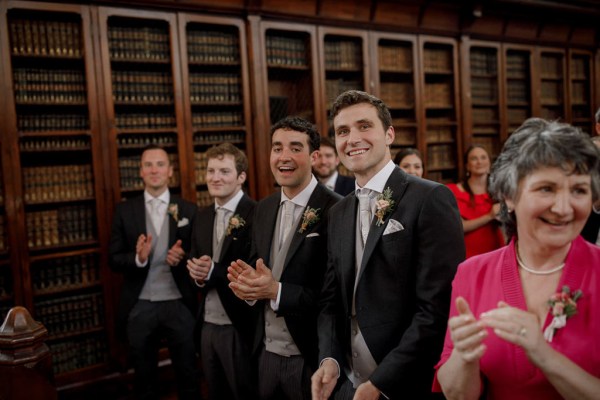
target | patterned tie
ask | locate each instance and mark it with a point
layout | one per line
(220, 219)
(287, 220)
(364, 201)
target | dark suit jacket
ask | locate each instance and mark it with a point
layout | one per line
(303, 272)
(403, 293)
(590, 230)
(235, 246)
(128, 224)
(344, 185)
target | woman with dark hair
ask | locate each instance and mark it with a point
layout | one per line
(477, 209)
(410, 161)
(525, 324)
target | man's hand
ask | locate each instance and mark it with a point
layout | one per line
(199, 268)
(175, 254)
(143, 247)
(248, 283)
(324, 380)
(367, 391)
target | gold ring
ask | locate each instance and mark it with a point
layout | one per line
(523, 331)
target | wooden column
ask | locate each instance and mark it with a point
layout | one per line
(25, 360)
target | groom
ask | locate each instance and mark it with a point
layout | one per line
(393, 252)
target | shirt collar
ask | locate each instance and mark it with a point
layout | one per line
(377, 182)
(165, 197)
(232, 204)
(301, 199)
(330, 182)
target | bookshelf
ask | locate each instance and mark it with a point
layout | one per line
(553, 84)
(142, 97)
(580, 93)
(6, 276)
(58, 174)
(482, 108)
(215, 91)
(439, 108)
(517, 85)
(395, 77)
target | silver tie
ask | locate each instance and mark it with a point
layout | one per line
(287, 220)
(220, 219)
(155, 204)
(364, 200)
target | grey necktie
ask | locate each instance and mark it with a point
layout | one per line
(155, 214)
(364, 201)
(220, 220)
(287, 220)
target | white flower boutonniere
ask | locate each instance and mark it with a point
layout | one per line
(235, 222)
(173, 211)
(385, 205)
(310, 216)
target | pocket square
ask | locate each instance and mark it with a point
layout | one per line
(314, 234)
(182, 222)
(393, 226)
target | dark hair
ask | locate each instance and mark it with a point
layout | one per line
(154, 146)
(353, 97)
(465, 179)
(540, 143)
(300, 125)
(220, 151)
(406, 152)
(326, 142)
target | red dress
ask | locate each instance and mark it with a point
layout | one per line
(485, 238)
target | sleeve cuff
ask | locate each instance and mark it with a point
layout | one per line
(140, 264)
(275, 303)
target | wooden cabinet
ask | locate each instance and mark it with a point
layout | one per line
(439, 108)
(580, 90)
(56, 174)
(517, 87)
(553, 83)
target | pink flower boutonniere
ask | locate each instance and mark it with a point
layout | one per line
(563, 305)
(173, 211)
(235, 222)
(310, 216)
(385, 205)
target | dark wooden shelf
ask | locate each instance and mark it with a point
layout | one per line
(56, 133)
(60, 201)
(143, 103)
(47, 56)
(140, 61)
(66, 289)
(216, 103)
(68, 335)
(214, 63)
(51, 103)
(64, 246)
(288, 67)
(141, 131)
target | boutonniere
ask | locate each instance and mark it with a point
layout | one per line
(563, 305)
(173, 211)
(310, 216)
(235, 222)
(384, 205)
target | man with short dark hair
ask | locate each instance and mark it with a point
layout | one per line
(221, 235)
(289, 242)
(325, 167)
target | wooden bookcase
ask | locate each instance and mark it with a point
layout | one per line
(53, 131)
(439, 108)
(517, 86)
(580, 90)
(395, 77)
(553, 84)
(216, 97)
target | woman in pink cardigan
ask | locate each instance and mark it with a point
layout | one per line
(525, 319)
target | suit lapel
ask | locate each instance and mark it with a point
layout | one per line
(397, 182)
(348, 237)
(139, 213)
(242, 209)
(172, 222)
(267, 225)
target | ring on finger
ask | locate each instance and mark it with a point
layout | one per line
(523, 331)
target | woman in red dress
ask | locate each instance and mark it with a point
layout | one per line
(477, 209)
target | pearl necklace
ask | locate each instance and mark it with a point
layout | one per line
(535, 272)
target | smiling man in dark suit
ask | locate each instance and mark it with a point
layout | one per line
(393, 252)
(149, 240)
(221, 235)
(289, 242)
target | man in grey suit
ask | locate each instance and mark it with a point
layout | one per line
(289, 242)
(393, 252)
(221, 235)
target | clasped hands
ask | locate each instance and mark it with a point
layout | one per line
(252, 284)
(514, 325)
(143, 247)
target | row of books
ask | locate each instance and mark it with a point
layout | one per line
(484, 62)
(52, 86)
(395, 58)
(441, 156)
(217, 118)
(580, 68)
(137, 86)
(138, 43)
(42, 37)
(517, 65)
(51, 122)
(343, 55)
(437, 60)
(213, 47)
(145, 120)
(517, 91)
(551, 65)
(436, 134)
(204, 138)
(129, 171)
(57, 183)
(438, 95)
(70, 313)
(200, 166)
(203, 198)
(65, 273)
(217, 87)
(286, 51)
(488, 114)
(552, 91)
(580, 93)
(52, 144)
(405, 136)
(78, 353)
(62, 226)
(517, 115)
(484, 90)
(333, 88)
(397, 94)
(145, 140)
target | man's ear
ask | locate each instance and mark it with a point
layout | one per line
(242, 177)
(314, 156)
(390, 135)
